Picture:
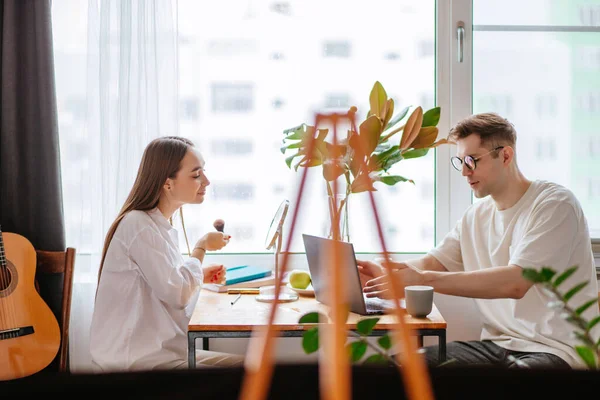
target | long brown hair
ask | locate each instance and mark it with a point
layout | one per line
(161, 160)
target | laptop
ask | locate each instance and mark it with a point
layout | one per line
(318, 253)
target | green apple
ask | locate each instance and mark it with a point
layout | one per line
(299, 279)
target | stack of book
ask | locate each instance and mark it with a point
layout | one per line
(246, 276)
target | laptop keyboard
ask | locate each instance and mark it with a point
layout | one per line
(376, 305)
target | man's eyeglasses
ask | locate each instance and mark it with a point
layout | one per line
(469, 161)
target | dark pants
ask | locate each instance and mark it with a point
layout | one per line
(488, 353)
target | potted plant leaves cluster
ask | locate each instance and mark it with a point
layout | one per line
(365, 155)
(357, 348)
(589, 349)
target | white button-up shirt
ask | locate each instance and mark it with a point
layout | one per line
(145, 299)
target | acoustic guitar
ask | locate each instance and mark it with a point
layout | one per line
(29, 332)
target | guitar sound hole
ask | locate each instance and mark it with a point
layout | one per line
(5, 278)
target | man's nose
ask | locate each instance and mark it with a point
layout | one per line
(466, 171)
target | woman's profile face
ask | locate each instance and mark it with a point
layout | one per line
(189, 185)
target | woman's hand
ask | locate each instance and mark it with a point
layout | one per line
(214, 273)
(213, 241)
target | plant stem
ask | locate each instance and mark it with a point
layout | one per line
(578, 320)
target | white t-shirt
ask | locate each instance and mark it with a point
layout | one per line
(546, 227)
(145, 299)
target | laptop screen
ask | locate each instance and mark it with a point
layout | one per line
(319, 253)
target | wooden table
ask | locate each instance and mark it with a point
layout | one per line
(216, 317)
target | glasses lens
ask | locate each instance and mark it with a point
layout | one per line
(456, 163)
(469, 162)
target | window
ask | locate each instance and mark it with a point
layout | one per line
(589, 15)
(337, 100)
(546, 105)
(231, 47)
(595, 147)
(232, 191)
(189, 109)
(425, 48)
(545, 58)
(500, 103)
(288, 71)
(231, 147)
(594, 188)
(232, 97)
(588, 102)
(588, 58)
(337, 49)
(545, 149)
(247, 76)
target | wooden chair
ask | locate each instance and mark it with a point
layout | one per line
(54, 278)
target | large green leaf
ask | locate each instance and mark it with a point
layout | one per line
(397, 118)
(298, 132)
(385, 342)
(547, 274)
(574, 290)
(289, 160)
(310, 340)
(311, 318)
(532, 275)
(587, 355)
(564, 276)
(356, 350)
(370, 130)
(593, 323)
(306, 164)
(376, 359)
(381, 147)
(415, 153)
(366, 325)
(377, 100)
(290, 146)
(391, 180)
(432, 117)
(581, 309)
(385, 159)
(390, 161)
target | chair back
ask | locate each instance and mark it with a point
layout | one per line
(54, 276)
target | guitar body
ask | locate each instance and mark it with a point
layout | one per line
(29, 332)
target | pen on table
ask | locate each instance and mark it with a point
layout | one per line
(243, 291)
(236, 299)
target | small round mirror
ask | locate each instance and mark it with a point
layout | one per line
(276, 224)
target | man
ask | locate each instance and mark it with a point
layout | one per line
(520, 224)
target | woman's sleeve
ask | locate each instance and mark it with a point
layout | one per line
(173, 284)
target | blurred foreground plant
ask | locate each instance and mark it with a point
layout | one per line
(589, 350)
(356, 348)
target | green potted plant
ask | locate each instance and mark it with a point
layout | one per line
(365, 155)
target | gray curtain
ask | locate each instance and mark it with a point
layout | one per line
(30, 184)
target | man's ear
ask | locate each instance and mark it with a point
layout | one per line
(507, 154)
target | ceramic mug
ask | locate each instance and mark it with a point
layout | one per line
(419, 300)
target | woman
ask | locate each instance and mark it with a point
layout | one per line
(146, 290)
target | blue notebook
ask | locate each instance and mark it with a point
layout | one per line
(245, 273)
